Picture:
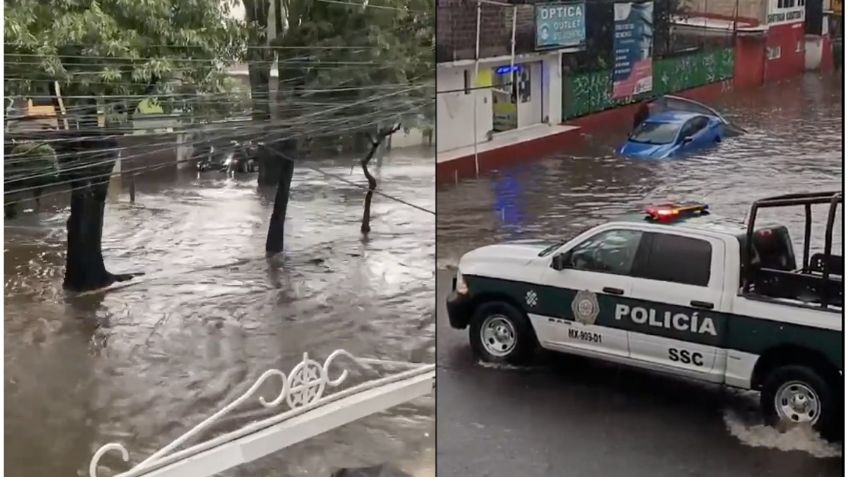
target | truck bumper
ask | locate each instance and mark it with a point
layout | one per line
(459, 310)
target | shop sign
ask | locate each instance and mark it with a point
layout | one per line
(560, 25)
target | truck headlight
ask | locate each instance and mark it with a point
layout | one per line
(461, 287)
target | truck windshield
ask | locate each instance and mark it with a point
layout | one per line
(655, 133)
(549, 250)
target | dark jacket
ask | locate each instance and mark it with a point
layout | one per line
(641, 115)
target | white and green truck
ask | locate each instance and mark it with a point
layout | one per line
(674, 292)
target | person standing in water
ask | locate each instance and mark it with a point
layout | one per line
(641, 114)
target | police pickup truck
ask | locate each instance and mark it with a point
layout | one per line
(678, 293)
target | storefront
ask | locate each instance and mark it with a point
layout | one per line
(517, 96)
(505, 97)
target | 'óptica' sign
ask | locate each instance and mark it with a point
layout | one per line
(560, 25)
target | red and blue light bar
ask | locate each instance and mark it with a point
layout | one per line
(670, 212)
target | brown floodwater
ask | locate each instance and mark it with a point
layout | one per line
(144, 363)
(793, 144)
(597, 421)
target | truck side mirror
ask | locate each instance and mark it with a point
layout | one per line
(560, 261)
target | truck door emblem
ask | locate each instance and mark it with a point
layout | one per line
(585, 307)
(531, 298)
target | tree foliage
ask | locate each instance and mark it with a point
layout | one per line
(318, 65)
(31, 159)
(106, 48)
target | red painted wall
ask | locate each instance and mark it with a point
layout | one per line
(749, 64)
(791, 62)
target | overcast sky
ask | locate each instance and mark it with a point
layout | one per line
(238, 11)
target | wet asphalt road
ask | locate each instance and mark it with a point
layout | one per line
(574, 417)
(568, 416)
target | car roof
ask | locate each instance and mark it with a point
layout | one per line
(672, 117)
(707, 223)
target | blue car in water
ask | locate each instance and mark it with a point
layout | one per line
(677, 126)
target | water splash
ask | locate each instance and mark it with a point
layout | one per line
(422, 466)
(756, 434)
(506, 367)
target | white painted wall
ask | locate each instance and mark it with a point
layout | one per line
(455, 110)
(813, 52)
(552, 85)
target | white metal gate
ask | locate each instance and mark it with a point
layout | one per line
(308, 409)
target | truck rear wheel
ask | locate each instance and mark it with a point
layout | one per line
(797, 395)
(501, 333)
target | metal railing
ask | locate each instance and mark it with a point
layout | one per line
(308, 409)
(458, 29)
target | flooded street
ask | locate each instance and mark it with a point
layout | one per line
(595, 419)
(144, 363)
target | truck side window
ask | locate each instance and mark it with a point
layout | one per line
(677, 259)
(611, 252)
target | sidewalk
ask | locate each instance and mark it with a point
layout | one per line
(530, 142)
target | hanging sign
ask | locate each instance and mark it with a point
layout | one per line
(560, 25)
(633, 48)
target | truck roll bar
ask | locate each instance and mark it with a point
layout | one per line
(833, 198)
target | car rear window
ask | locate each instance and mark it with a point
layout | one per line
(655, 133)
(677, 259)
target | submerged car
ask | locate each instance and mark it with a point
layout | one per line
(677, 125)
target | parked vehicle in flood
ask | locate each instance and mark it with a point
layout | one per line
(676, 126)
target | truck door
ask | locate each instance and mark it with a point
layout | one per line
(677, 320)
(595, 275)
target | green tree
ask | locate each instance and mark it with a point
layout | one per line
(108, 48)
(337, 53)
(320, 59)
(108, 55)
(349, 67)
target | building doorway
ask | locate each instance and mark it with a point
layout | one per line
(504, 98)
(517, 96)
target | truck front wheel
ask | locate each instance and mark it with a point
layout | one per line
(797, 395)
(501, 333)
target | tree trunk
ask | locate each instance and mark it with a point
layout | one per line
(84, 267)
(276, 229)
(372, 185)
(259, 70)
(376, 142)
(270, 165)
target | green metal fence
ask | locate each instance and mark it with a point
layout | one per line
(587, 93)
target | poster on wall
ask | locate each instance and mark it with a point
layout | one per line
(560, 25)
(633, 49)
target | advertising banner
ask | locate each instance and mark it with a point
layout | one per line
(560, 25)
(633, 49)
